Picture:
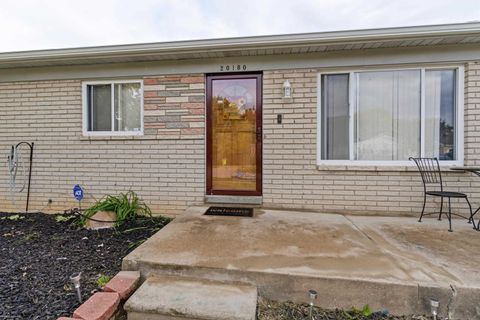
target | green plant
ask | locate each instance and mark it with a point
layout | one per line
(127, 206)
(14, 217)
(62, 218)
(355, 313)
(136, 244)
(103, 280)
(366, 311)
(31, 236)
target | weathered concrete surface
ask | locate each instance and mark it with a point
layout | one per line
(393, 263)
(166, 297)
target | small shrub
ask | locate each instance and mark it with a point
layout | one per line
(127, 206)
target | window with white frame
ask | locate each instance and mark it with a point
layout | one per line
(113, 107)
(389, 115)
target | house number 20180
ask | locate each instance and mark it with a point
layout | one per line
(233, 67)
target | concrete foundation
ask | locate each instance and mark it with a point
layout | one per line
(392, 263)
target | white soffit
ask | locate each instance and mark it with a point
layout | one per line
(432, 35)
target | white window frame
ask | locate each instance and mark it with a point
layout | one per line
(85, 119)
(459, 107)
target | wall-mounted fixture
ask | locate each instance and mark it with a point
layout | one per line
(287, 89)
(279, 118)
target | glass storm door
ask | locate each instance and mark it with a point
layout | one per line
(234, 134)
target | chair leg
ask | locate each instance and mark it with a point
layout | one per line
(441, 210)
(449, 216)
(471, 220)
(423, 209)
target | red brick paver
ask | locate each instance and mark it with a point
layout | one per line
(100, 306)
(124, 283)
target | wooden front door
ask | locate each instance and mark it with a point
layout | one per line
(234, 134)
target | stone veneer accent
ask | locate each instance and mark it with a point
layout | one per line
(174, 106)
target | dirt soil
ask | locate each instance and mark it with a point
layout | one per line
(272, 310)
(39, 252)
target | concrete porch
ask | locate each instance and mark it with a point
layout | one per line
(388, 263)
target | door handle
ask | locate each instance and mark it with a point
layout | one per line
(259, 133)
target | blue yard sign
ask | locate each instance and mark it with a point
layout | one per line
(78, 192)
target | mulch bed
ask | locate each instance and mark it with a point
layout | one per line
(38, 253)
(272, 310)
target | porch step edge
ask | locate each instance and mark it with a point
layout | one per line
(177, 297)
(254, 200)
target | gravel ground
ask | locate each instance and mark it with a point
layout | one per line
(38, 253)
(271, 310)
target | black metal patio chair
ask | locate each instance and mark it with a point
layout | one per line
(429, 169)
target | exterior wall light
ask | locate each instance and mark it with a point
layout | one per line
(287, 89)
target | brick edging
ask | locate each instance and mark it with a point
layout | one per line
(108, 304)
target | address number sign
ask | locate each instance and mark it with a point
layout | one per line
(233, 67)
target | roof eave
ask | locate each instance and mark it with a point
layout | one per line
(240, 43)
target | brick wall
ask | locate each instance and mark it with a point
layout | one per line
(472, 114)
(165, 167)
(291, 176)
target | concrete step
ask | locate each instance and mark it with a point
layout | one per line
(181, 298)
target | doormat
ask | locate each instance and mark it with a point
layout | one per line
(229, 212)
